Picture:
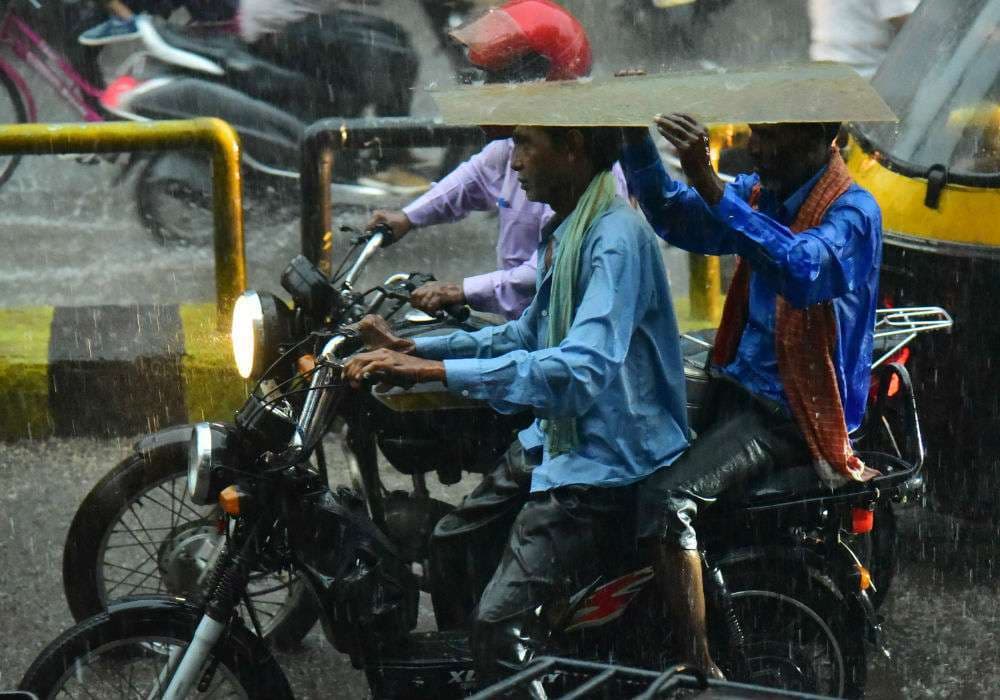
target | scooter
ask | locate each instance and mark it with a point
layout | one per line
(269, 91)
(786, 570)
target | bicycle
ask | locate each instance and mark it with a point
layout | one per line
(76, 79)
(71, 69)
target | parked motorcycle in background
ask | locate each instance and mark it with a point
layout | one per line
(339, 64)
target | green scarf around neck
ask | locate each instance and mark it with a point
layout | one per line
(561, 433)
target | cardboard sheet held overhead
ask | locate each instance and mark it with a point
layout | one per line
(801, 93)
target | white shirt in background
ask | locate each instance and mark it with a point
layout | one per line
(855, 32)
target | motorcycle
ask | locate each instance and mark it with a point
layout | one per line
(788, 564)
(108, 554)
(269, 91)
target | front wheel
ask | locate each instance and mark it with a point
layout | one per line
(125, 653)
(137, 533)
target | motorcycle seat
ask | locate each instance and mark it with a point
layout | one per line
(228, 52)
(801, 483)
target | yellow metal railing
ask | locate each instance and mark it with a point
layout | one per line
(705, 288)
(211, 135)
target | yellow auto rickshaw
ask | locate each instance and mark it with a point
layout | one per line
(936, 175)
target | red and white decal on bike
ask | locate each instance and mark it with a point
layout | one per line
(119, 97)
(609, 601)
(112, 95)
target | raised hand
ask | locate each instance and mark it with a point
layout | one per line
(690, 138)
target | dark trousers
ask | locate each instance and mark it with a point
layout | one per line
(744, 436)
(537, 548)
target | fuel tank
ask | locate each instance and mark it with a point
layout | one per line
(428, 428)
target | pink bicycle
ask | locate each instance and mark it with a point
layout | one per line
(73, 73)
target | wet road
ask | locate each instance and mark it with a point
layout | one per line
(71, 235)
(942, 614)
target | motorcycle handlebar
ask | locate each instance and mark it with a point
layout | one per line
(458, 312)
(371, 248)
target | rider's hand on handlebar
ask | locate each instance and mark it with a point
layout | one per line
(690, 138)
(398, 222)
(434, 296)
(391, 367)
(377, 333)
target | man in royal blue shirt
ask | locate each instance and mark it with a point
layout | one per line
(605, 384)
(827, 265)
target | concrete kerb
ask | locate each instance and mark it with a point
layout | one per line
(113, 370)
(124, 370)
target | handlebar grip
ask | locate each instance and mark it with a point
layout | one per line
(371, 381)
(388, 236)
(458, 312)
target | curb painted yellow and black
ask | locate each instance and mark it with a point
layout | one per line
(113, 370)
(106, 371)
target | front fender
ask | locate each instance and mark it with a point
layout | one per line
(155, 604)
(158, 608)
(173, 442)
(167, 440)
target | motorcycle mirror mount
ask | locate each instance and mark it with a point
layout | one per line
(308, 286)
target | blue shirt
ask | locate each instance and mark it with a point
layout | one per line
(618, 371)
(836, 261)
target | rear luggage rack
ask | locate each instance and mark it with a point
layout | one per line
(897, 327)
(586, 679)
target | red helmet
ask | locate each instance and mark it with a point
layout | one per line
(518, 28)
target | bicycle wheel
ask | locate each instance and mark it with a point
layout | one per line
(12, 111)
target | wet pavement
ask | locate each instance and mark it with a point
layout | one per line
(71, 235)
(942, 614)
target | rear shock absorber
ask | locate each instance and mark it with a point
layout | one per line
(719, 592)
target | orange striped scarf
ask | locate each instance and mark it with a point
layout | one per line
(805, 344)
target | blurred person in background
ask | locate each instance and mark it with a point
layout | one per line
(856, 32)
(520, 40)
(121, 26)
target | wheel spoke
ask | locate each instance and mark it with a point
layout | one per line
(272, 589)
(159, 582)
(151, 553)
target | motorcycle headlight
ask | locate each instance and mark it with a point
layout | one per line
(261, 323)
(199, 474)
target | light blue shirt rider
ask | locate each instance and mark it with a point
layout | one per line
(619, 370)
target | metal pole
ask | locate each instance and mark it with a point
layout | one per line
(705, 288)
(319, 146)
(207, 134)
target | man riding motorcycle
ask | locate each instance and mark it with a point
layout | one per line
(596, 350)
(518, 41)
(792, 358)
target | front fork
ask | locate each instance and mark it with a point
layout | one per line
(226, 590)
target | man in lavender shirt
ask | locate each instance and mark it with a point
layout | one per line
(486, 181)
